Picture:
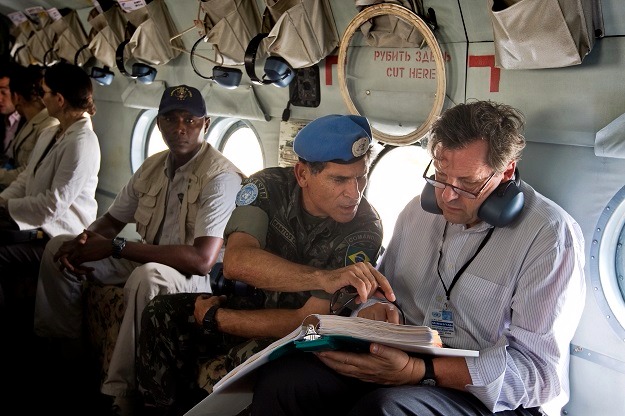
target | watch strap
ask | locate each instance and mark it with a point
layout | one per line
(428, 378)
(209, 323)
(118, 245)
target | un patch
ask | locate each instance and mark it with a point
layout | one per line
(247, 194)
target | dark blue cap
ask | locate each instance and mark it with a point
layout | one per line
(183, 98)
(333, 138)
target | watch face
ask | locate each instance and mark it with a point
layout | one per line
(428, 382)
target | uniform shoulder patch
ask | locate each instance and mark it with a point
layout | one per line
(357, 254)
(362, 246)
(247, 194)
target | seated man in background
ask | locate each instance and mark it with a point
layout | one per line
(296, 232)
(515, 292)
(10, 117)
(180, 199)
(27, 96)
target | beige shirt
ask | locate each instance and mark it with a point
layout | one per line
(23, 144)
(175, 207)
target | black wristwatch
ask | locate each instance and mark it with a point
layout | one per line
(209, 323)
(118, 245)
(429, 377)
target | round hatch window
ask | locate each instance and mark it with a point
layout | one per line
(607, 263)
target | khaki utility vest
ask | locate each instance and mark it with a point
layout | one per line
(152, 183)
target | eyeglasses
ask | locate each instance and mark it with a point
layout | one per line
(462, 192)
(343, 302)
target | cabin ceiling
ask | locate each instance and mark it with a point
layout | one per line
(9, 6)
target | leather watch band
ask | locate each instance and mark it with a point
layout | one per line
(209, 323)
(429, 379)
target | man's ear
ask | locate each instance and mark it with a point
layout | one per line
(207, 122)
(302, 173)
(508, 174)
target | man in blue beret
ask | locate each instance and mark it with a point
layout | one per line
(298, 234)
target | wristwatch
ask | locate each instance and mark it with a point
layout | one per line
(429, 379)
(118, 245)
(209, 323)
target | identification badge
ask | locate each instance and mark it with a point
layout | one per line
(442, 320)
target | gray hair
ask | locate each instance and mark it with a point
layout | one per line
(500, 125)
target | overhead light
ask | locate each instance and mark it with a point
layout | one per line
(141, 72)
(277, 70)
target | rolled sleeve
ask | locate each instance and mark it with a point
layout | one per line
(218, 202)
(251, 220)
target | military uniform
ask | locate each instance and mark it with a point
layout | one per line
(171, 342)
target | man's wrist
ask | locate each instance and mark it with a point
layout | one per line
(209, 323)
(118, 245)
(429, 378)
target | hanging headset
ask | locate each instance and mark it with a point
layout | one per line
(224, 76)
(141, 72)
(277, 70)
(103, 76)
(499, 209)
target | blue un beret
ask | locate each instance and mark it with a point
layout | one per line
(333, 138)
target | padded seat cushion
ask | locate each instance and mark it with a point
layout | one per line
(104, 311)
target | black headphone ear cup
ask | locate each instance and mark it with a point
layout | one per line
(144, 73)
(103, 76)
(428, 199)
(278, 71)
(503, 205)
(499, 209)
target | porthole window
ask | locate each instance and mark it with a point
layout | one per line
(238, 141)
(607, 263)
(155, 142)
(394, 180)
(235, 138)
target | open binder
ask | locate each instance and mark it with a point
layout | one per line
(233, 393)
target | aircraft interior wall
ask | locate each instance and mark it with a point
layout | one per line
(564, 107)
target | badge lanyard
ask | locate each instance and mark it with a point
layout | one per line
(442, 319)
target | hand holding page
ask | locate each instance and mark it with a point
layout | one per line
(319, 333)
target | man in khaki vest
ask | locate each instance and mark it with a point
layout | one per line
(180, 200)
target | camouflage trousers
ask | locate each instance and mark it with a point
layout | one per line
(173, 346)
